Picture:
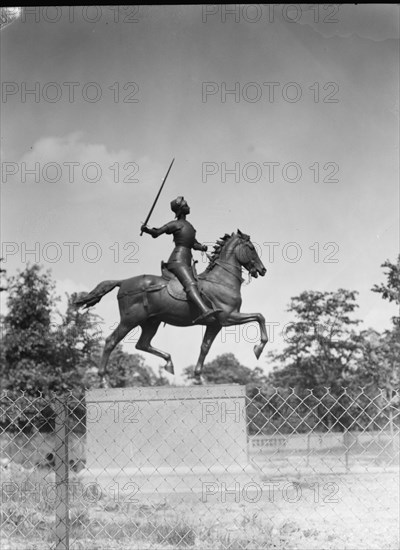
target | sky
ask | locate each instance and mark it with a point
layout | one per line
(283, 122)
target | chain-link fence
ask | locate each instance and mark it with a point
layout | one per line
(200, 467)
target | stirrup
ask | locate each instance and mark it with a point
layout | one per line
(207, 315)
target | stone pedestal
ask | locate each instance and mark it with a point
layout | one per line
(167, 439)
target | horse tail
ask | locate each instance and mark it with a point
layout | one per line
(92, 298)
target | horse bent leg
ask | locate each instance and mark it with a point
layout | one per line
(237, 318)
(149, 328)
(208, 339)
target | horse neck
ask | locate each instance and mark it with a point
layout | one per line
(226, 268)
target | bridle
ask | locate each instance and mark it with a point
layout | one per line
(238, 269)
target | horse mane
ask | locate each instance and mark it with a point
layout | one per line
(216, 253)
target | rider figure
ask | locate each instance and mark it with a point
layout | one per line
(180, 261)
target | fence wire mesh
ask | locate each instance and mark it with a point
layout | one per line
(198, 468)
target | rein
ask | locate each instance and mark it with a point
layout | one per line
(237, 275)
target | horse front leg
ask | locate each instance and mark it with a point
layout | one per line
(208, 339)
(237, 318)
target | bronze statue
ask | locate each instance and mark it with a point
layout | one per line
(149, 300)
(180, 261)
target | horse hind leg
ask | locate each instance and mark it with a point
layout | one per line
(115, 337)
(149, 328)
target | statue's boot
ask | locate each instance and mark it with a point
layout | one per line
(206, 313)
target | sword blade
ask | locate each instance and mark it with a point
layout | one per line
(158, 194)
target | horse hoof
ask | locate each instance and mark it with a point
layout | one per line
(258, 350)
(169, 367)
(198, 379)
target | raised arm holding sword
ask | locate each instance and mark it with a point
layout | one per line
(180, 261)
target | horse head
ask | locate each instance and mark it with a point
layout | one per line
(237, 249)
(247, 255)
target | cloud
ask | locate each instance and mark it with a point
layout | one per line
(373, 21)
(68, 173)
(71, 160)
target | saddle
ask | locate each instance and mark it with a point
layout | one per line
(175, 288)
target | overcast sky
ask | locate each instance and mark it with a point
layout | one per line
(283, 123)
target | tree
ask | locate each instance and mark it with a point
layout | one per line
(379, 365)
(382, 353)
(391, 290)
(28, 340)
(45, 351)
(321, 343)
(28, 343)
(321, 350)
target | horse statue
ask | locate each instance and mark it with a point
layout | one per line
(148, 300)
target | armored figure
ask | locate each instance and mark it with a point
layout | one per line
(180, 261)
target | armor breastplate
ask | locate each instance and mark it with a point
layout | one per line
(184, 239)
(185, 235)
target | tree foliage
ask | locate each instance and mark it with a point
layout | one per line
(379, 360)
(381, 353)
(380, 363)
(28, 339)
(46, 352)
(391, 289)
(321, 342)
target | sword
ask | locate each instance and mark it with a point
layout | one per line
(158, 194)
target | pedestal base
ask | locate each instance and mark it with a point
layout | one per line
(167, 439)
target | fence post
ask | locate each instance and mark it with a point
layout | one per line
(62, 473)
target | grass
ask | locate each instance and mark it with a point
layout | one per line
(27, 518)
(26, 515)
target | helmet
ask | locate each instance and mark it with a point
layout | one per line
(176, 204)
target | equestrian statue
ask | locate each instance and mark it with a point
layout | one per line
(179, 296)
